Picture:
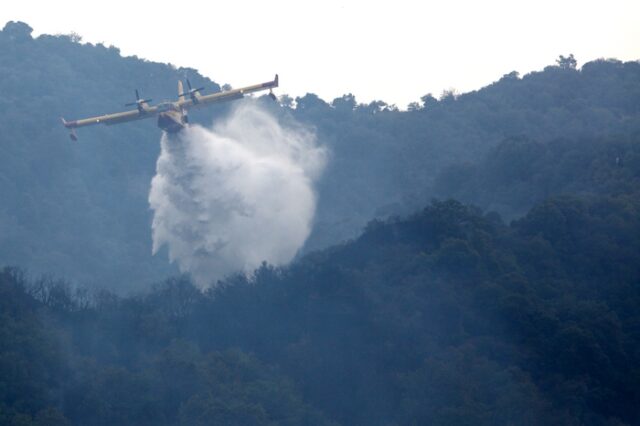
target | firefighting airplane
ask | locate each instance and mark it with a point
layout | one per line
(172, 116)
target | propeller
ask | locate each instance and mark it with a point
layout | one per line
(138, 101)
(191, 91)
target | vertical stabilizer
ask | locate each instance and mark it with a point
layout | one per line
(181, 93)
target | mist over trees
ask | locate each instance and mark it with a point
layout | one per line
(87, 202)
(387, 162)
(475, 260)
(78, 211)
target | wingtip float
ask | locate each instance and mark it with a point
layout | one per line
(172, 115)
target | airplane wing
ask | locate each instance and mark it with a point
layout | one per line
(184, 102)
(116, 118)
(109, 119)
(229, 95)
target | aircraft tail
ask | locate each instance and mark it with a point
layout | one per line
(181, 94)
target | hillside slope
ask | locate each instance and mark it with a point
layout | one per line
(80, 210)
(445, 317)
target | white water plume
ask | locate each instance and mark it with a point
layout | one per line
(226, 199)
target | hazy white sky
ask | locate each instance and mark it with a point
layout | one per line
(395, 51)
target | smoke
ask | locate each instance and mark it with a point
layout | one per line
(228, 198)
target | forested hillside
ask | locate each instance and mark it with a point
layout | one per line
(446, 317)
(80, 210)
(520, 171)
(515, 305)
(386, 161)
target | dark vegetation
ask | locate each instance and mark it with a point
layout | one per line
(520, 172)
(449, 316)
